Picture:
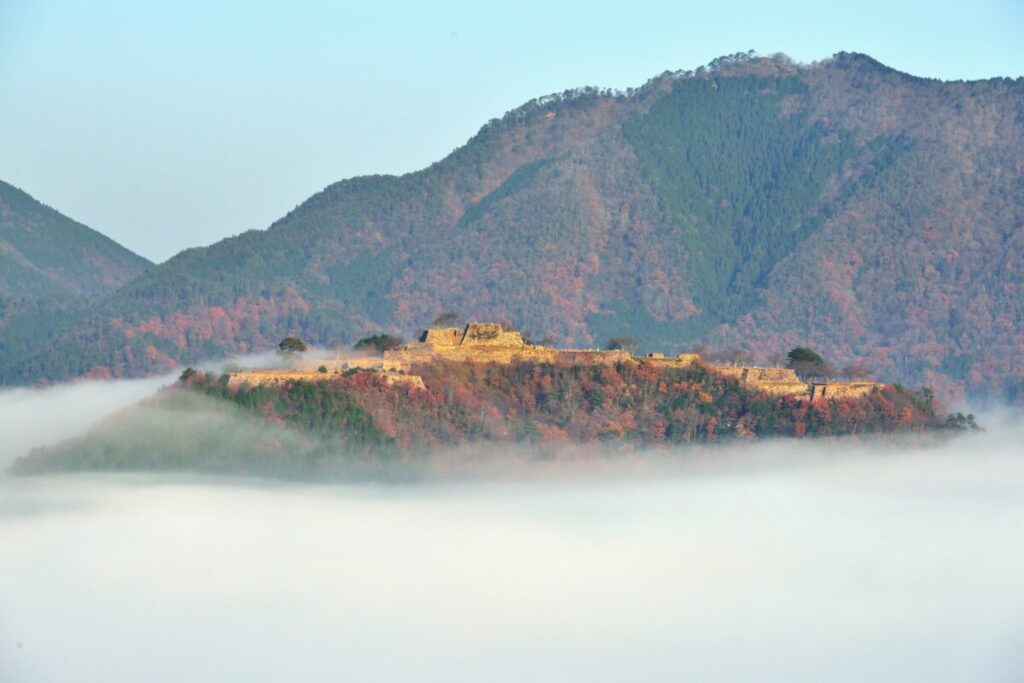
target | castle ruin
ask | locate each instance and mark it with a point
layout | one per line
(493, 343)
(496, 343)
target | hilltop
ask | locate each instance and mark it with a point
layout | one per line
(498, 344)
(754, 203)
(480, 386)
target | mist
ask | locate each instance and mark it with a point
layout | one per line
(31, 417)
(781, 561)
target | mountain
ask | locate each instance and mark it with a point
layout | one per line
(43, 253)
(50, 269)
(754, 203)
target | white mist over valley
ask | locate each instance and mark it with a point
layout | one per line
(781, 561)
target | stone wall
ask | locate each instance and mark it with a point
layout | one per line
(774, 381)
(683, 360)
(772, 375)
(442, 336)
(502, 355)
(335, 365)
(275, 377)
(491, 334)
(491, 343)
(271, 377)
(784, 382)
(494, 343)
(827, 390)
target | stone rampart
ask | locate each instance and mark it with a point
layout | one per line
(491, 343)
(774, 381)
(772, 375)
(276, 377)
(502, 355)
(491, 334)
(784, 382)
(683, 360)
(495, 343)
(271, 377)
(827, 390)
(442, 336)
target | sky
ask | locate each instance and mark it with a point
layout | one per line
(172, 125)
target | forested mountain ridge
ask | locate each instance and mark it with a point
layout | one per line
(44, 253)
(51, 268)
(753, 203)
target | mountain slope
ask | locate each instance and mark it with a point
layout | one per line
(754, 203)
(44, 253)
(51, 268)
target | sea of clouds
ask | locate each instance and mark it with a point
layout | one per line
(783, 561)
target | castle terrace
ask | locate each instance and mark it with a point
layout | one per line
(499, 344)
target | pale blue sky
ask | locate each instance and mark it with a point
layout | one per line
(168, 125)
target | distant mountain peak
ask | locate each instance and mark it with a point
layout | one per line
(45, 253)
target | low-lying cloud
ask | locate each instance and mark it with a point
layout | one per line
(31, 417)
(782, 561)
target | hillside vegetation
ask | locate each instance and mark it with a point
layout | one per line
(51, 268)
(357, 423)
(754, 204)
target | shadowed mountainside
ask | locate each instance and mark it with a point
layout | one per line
(753, 203)
(46, 254)
(51, 267)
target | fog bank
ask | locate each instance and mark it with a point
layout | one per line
(31, 417)
(788, 560)
(807, 567)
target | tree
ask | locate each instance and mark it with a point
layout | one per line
(807, 363)
(187, 374)
(622, 344)
(447, 319)
(962, 422)
(289, 346)
(379, 343)
(777, 359)
(802, 354)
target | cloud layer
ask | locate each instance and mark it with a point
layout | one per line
(783, 561)
(799, 567)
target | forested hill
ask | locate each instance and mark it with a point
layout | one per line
(51, 268)
(44, 253)
(754, 203)
(358, 424)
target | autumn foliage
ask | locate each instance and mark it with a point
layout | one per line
(551, 403)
